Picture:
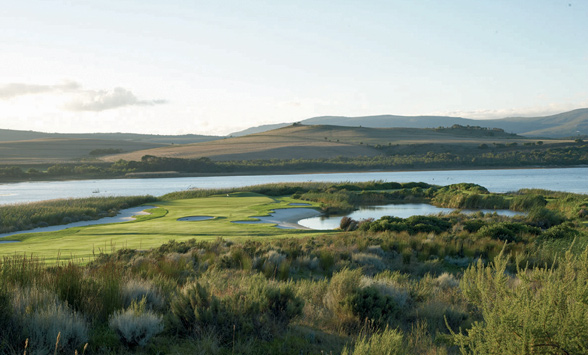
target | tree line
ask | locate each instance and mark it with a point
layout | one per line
(514, 156)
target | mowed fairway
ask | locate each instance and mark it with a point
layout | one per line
(160, 227)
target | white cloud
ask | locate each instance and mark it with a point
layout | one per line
(76, 98)
(105, 100)
(11, 90)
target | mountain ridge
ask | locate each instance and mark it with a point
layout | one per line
(9, 135)
(565, 124)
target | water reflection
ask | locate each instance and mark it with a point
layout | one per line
(397, 210)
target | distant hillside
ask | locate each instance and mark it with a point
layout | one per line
(390, 121)
(63, 150)
(258, 129)
(325, 141)
(567, 124)
(7, 135)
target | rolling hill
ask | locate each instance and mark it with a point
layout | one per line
(61, 150)
(568, 124)
(325, 141)
(9, 135)
(32, 148)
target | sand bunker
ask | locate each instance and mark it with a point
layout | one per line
(285, 218)
(125, 215)
(196, 218)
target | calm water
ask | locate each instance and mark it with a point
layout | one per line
(396, 210)
(569, 179)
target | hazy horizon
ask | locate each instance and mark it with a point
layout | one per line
(219, 67)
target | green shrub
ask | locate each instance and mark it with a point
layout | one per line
(426, 224)
(507, 231)
(544, 218)
(527, 202)
(260, 310)
(342, 287)
(413, 224)
(281, 304)
(542, 311)
(388, 342)
(193, 307)
(369, 304)
(499, 231)
(564, 230)
(326, 260)
(473, 225)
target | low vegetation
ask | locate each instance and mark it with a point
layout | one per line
(448, 284)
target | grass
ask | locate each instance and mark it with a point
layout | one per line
(146, 232)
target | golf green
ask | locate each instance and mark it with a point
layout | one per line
(161, 226)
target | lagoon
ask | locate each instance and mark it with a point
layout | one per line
(504, 180)
(397, 210)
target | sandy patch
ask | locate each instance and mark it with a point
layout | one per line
(195, 218)
(285, 218)
(125, 215)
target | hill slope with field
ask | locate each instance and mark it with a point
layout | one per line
(29, 147)
(63, 150)
(325, 141)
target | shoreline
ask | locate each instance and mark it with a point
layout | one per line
(159, 175)
(126, 215)
(285, 218)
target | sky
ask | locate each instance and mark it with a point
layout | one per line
(217, 67)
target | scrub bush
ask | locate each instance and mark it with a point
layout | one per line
(261, 309)
(42, 317)
(388, 342)
(134, 290)
(544, 311)
(369, 304)
(342, 287)
(136, 325)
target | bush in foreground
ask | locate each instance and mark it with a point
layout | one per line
(541, 311)
(136, 325)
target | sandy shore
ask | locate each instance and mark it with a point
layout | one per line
(195, 218)
(285, 218)
(125, 215)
